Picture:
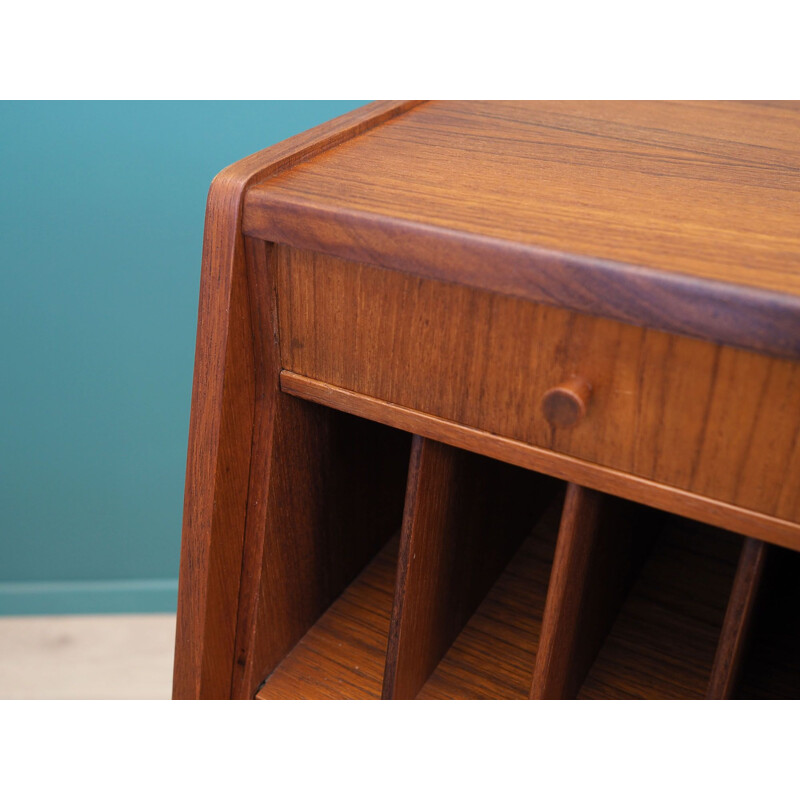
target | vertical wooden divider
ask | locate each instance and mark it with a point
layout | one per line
(738, 617)
(602, 544)
(326, 492)
(465, 516)
(234, 411)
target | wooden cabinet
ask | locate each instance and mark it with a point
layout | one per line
(499, 400)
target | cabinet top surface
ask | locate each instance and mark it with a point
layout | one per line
(700, 193)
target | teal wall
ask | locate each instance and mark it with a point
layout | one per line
(101, 220)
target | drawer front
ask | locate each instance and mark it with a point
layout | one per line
(716, 421)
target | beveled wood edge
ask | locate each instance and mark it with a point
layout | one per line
(222, 271)
(733, 314)
(738, 618)
(283, 155)
(593, 476)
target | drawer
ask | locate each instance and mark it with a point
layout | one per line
(712, 420)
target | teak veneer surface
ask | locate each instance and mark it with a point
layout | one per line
(631, 487)
(465, 517)
(661, 646)
(494, 654)
(679, 215)
(733, 641)
(716, 421)
(602, 543)
(438, 268)
(343, 654)
(663, 642)
(235, 395)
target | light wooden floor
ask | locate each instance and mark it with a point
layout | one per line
(104, 657)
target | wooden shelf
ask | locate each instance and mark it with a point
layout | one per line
(661, 646)
(493, 656)
(342, 656)
(663, 642)
(465, 517)
(386, 342)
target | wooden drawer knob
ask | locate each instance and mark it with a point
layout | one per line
(564, 405)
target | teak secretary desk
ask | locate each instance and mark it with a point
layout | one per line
(500, 399)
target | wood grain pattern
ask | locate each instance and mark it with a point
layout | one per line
(738, 618)
(493, 656)
(631, 487)
(661, 646)
(496, 251)
(222, 417)
(343, 655)
(334, 495)
(676, 216)
(602, 543)
(465, 516)
(326, 491)
(663, 642)
(661, 405)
